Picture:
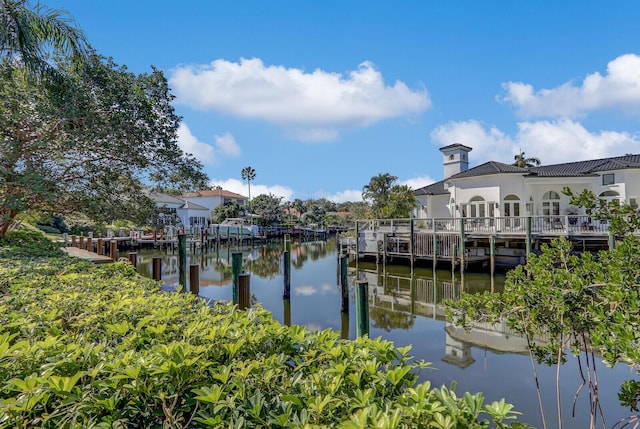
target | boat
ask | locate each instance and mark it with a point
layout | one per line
(235, 227)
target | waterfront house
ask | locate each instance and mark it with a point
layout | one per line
(194, 208)
(495, 190)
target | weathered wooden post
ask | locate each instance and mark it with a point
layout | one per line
(74, 242)
(344, 325)
(344, 286)
(362, 313)
(244, 291)
(113, 250)
(411, 242)
(462, 246)
(454, 251)
(100, 247)
(157, 268)
(287, 275)
(528, 243)
(81, 242)
(492, 254)
(236, 269)
(287, 311)
(182, 260)
(435, 245)
(133, 258)
(89, 244)
(194, 279)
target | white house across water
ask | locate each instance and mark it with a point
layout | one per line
(497, 212)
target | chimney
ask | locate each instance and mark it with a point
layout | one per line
(455, 159)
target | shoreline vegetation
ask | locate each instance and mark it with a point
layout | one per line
(101, 346)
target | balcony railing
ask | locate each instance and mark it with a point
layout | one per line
(548, 225)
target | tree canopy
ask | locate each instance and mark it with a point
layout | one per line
(520, 160)
(87, 143)
(388, 200)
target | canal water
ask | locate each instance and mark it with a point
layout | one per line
(404, 307)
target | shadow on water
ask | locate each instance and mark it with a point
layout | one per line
(405, 306)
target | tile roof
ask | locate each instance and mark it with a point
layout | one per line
(586, 168)
(491, 167)
(432, 189)
(569, 169)
(455, 145)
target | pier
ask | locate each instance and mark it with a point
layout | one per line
(460, 242)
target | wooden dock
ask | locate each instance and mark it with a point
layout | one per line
(76, 252)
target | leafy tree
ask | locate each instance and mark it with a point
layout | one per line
(33, 35)
(388, 200)
(268, 208)
(588, 303)
(521, 161)
(87, 143)
(224, 211)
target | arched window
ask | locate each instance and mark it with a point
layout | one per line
(551, 204)
(608, 196)
(477, 207)
(511, 206)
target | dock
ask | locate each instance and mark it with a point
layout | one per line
(76, 252)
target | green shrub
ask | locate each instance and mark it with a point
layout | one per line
(100, 346)
(48, 229)
(27, 243)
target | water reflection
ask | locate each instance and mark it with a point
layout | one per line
(404, 307)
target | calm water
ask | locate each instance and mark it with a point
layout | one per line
(404, 308)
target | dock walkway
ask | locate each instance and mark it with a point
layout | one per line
(76, 252)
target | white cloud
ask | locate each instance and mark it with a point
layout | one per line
(348, 195)
(305, 290)
(190, 144)
(239, 187)
(206, 153)
(226, 144)
(551, 141)
(417, 182)
(618, 88)
(487, 144)
(318, 101)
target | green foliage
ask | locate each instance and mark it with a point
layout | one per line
(268, 208)
(87, 143)
(27, 244)
(387, 200)
(563, 302)
(99, 346)
(229, 210)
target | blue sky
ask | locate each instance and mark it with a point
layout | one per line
(319, 96)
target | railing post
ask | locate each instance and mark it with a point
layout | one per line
(462, 245)
(113, 250)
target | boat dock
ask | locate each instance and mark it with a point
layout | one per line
(472, 241)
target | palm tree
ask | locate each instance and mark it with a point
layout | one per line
(377, 192)
(29, 34)
(522, 161)
(248, 174)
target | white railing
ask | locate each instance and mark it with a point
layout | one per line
(548, 225)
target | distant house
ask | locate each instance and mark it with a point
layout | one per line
(194, 208)
(495, 189)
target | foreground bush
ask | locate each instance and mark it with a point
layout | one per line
(100, 346)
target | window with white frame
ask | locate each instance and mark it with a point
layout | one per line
(551, 203)
(608, 179)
